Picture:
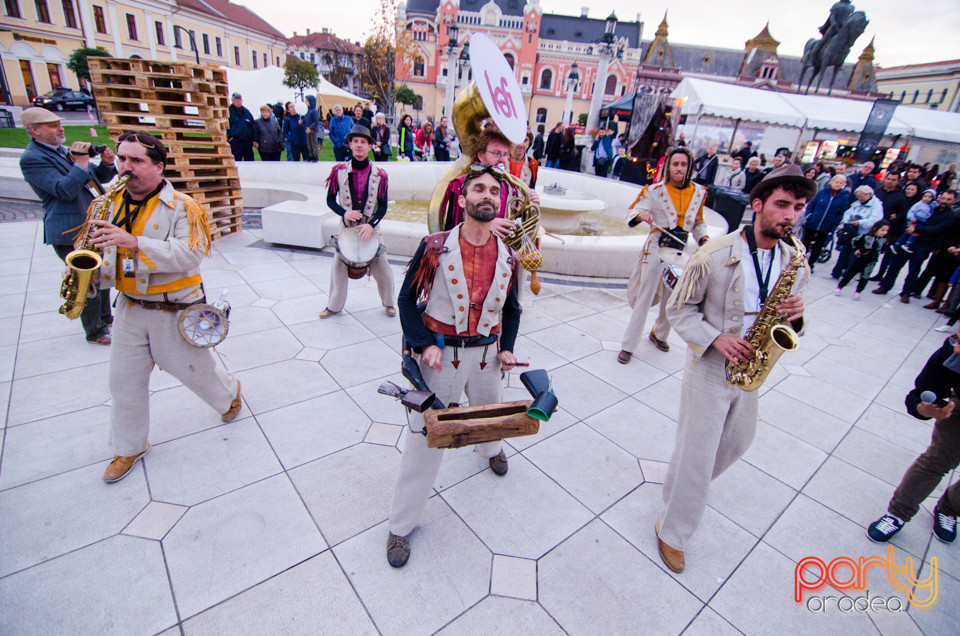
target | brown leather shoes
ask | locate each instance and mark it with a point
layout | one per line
(658, 343)
(326, 313)
(120, 466)
(498, 464)
(105, 339)
(398, 550)
(234, 409)
(672, 558)
(624, 357)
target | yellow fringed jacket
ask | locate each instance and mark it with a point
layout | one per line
(173, 237)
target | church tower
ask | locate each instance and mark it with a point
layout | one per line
(863, 77)
(659, 53)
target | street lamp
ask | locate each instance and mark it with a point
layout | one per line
(193, 41)
(452, 32)
(608, 48)
(573, 84)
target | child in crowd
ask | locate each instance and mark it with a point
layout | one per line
(917, 215)
(867, 250)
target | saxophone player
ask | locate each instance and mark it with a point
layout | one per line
(152, 248)
(726, 283)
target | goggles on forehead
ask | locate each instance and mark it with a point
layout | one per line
(478, 169)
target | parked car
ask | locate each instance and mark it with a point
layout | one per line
(63, 98)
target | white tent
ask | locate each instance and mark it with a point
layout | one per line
(266, 85)
(730, 101)
(809, 112)
(936, 125)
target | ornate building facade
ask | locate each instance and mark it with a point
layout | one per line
(935, 85)
(542, 48)
(39, 36)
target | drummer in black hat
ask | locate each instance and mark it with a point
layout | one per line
(357, 191)
(717, 300)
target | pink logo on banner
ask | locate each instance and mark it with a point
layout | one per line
(502, 100)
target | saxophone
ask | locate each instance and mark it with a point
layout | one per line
(768, 334)
(86, 259)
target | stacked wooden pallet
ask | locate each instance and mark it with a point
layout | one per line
(185, 106)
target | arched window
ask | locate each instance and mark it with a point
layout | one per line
(509, 58)
(418, 66)
(916, 96)
(943, 96)
(929, 96)
(546, 79)
(611, 87)
(541, 115)
(903, 96)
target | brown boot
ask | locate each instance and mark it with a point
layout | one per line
(120, 466)
(234, 409)
(671, 557)
(948, 303)
(937, 297)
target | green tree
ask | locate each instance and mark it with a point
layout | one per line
(78, 61)
(299, 74)
(405, 95)
(582, 119)
(385, 52)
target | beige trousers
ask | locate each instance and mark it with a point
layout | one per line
(142, 338)
(419, 465)
(651, 279)
(379, 269)
(717, 425)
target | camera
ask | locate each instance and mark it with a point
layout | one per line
(92, 151)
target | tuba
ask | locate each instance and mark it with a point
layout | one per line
(84, 261)
(768, 335)
(493, 94)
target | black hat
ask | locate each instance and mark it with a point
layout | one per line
(788, 173)
(359, 131)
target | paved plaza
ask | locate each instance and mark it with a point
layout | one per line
(276, 523)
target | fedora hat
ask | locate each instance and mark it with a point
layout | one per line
(359, 131)
(34, 116)
(788, 173)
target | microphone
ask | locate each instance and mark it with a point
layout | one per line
(929, 396)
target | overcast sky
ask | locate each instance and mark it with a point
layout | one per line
(925, 31)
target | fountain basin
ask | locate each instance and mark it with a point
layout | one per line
(295, 212)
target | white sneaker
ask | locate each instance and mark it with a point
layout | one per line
(856, 295)
(946, 329)
(836, 292)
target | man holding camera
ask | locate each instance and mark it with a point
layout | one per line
(675, 202)
(67, 182)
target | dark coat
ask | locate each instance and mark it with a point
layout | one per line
(706, 170)
(60, 185)
(554, 142)
(826, 210)
(241, 124)
(294, 131)
(538, 146)
(269, 137)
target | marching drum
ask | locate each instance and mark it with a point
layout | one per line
(356, 253)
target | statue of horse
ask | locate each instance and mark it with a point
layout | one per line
(831, 53)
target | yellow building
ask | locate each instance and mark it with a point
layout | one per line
(935, 85)
(38, 36)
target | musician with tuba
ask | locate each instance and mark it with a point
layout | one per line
(490, 148)
(153, 241)
(674, 204)
(735, 292)
(467, 278)
(357, 192)
(66, 181)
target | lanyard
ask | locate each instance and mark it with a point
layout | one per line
(762, 281)
(125, 217)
